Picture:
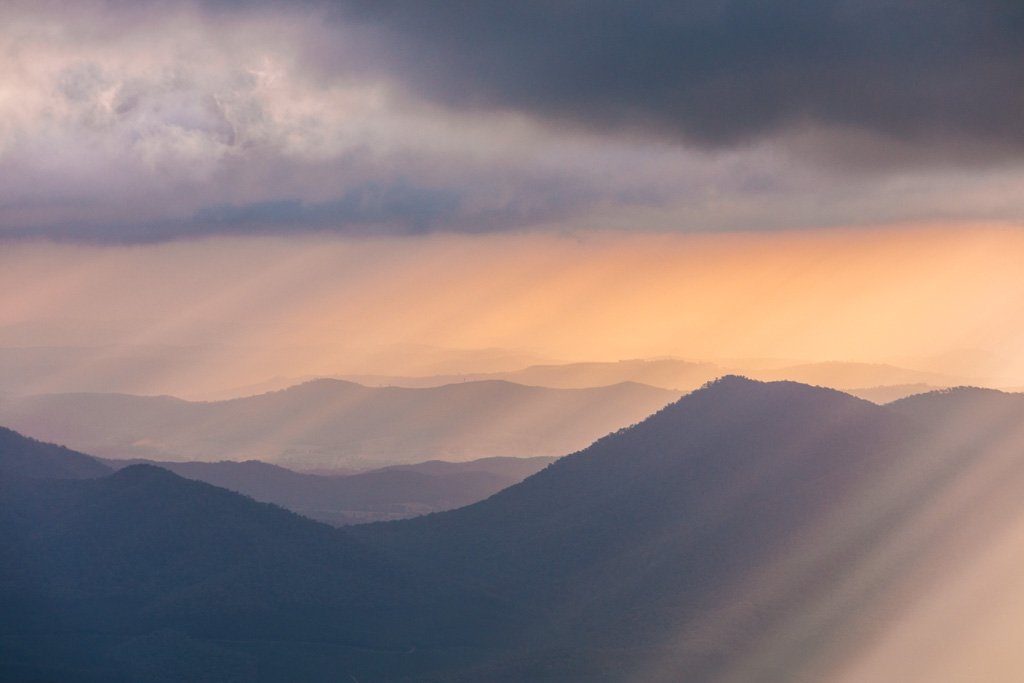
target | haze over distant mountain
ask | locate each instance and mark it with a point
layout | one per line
(892, 392)
(665, 373)
(686, 375)
(747, 532)
(392, 493)
(213, 371)
(845, 375)
(332, 423)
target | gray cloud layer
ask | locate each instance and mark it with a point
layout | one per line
(148, 121)
(724, 72)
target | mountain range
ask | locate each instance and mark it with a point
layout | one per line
(395, 492)
(683, 375)
(748, 531)
(332, 424)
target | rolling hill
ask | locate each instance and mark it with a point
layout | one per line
(21, 457)
(327, 424)
(749, 531)
(144, 575)
(392, 493)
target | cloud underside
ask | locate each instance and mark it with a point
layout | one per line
(723, 72)
(135, 122)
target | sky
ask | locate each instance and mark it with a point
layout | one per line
(838, 179)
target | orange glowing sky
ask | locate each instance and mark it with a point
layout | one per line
(279, 187)
(316, 305)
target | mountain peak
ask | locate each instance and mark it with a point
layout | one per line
(743, 383)
(143, 473)
(731, 397)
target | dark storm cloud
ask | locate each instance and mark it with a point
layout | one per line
(152, 121)
(405, 206)
(369, 209)
(718, 73)
(372, 208)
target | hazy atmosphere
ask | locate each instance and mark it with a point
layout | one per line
(316, 184)
(264, 263)
(219, 313)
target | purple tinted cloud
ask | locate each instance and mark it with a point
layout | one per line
(138, 122)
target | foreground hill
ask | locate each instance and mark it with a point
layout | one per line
(392, 493)
(747, 532)
(143, 575)
(21, 457)
(651, 530)
(332, 424)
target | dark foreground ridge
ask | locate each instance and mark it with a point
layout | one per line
(707, 543)
(21, 457)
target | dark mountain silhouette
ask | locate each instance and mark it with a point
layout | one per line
(393, 493)
(738, 534)
(653, 527)
(977, 407)
(21, 457)
(330, 423)
(747, 532)
(144, 575)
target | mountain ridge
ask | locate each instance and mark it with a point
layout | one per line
(332, 423)
(391, 493)
(686, 375)
(747, 531)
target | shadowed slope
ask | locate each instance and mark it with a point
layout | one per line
(719, 476)
(24, 457)
(143, 566)
(748, 532)
(392, 493)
